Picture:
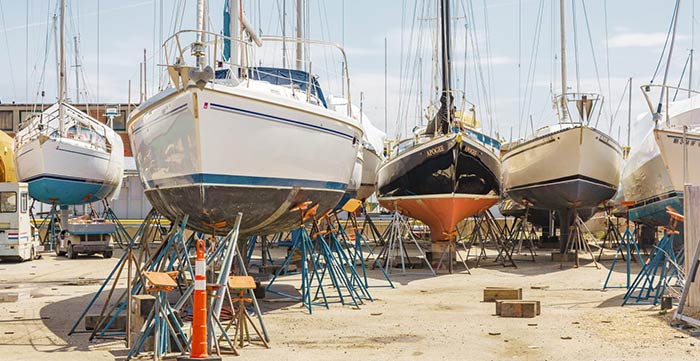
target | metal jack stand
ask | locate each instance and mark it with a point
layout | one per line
(487, 230)
(625, 246)
(660, 270)
(310, 265)
(162, 321)
(577, 242)
(355, 236)
(394, 245)
(521, 232)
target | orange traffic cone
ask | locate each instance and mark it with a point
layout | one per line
(200, 347)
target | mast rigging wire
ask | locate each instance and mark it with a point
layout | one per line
(9, 57)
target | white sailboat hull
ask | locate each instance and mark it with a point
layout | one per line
(64, 172)
(371, 163)
(212, 153)
(654, 175)
(575, 167)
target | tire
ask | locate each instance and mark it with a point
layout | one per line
(32, 255)
(71, 252)
(107, 254)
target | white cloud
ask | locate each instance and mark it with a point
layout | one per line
(639, 40)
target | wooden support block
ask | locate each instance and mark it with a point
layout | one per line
(517, 308)
(491, 294)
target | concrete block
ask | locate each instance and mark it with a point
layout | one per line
(491, 294)
(15, 295)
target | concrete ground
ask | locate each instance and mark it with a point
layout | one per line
(423, 318)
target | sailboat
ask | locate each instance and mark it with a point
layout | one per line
(666, 159)
(250, 139)
(446, 171)
(66, 156)
(566, 166)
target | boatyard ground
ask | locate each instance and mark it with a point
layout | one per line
(425, 317)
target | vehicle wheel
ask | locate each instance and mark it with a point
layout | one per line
(107, 254)
(71, 252)
(32, 256)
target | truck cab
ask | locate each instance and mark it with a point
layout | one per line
(19, 239)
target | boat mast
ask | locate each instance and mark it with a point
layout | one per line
(300, 36)
(200, 27)
(446, 61)
(657, 116)
(562, 25)
(77, 71)
(62, 68)
(284, 34)
(234, 12)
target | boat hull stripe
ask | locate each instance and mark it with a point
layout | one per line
(226, 179)
(561, 180)
(276, 118)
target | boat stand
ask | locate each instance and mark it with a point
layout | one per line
(485, 231)
(341, 270)
(355, 242)
(152, 251)
(612, 236)
(318, 258)
(577, 242)
(522, 231)
(371, 232)
(51, 223)
(398, 231)
(626, 247)
(265, 255)
(663, 268)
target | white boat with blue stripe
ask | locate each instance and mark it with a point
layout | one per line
(253, 140)
(66, 156)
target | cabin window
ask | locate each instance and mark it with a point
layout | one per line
(6, 120)
(8, 202)
(24, 200)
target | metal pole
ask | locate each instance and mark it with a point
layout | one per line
(128, 100)
(284, 33)
(62, 68)
(562, 20)
(140, 83)
(629, 115)
(234, 8)
(300, 36)
(446, 61)
(685, 154)
(386, 117)
(668, 66)
(145, 79)
(690, 74)
(77, 81)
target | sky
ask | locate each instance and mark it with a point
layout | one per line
(510, 76)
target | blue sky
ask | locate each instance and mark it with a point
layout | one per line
(636, 33)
